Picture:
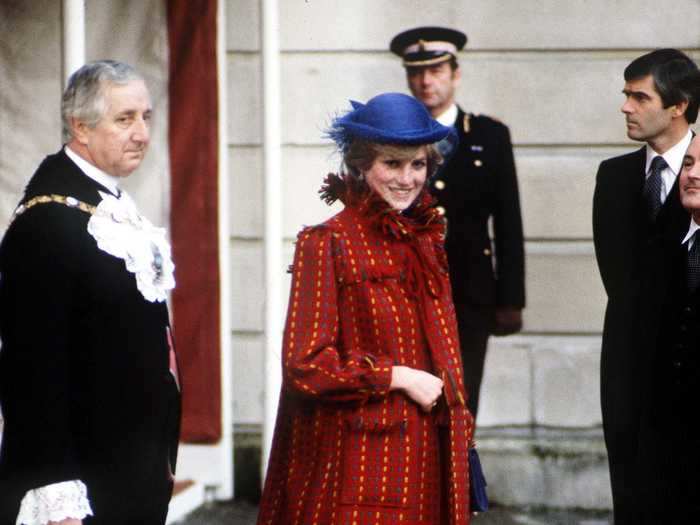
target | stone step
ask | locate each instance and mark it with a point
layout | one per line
(544, 468)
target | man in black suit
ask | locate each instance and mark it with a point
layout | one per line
(672, 429)
(638, 221)
(476, 184)
(669, 438)
(88, 382)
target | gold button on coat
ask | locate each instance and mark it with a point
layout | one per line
(440, 210)
(478, 163)
(440, 185)
(487, 251)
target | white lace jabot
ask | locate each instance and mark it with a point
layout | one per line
(55, 502)
(121, 231)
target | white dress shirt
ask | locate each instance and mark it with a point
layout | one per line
(108, 181)
(449, 116)
(674, 159)
(694, 226)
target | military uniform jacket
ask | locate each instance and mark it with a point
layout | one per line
(479, 182)
(85, 384)
(369, 291)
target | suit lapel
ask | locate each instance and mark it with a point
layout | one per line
(638, 178)
(673, 220)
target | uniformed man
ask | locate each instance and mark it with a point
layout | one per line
(477, 184)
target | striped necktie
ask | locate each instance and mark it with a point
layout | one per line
(653, 185)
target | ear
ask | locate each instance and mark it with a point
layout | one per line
(678, 110)
(457, 77)
(80, 130)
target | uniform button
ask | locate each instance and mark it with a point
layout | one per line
(440, 210)
(487, 251)
(440, 185)
(478, 163)
(677, 364)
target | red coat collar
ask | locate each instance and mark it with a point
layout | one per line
(420, 218)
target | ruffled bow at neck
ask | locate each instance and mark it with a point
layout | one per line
(121, 231)
(419, 218)
(414, 225)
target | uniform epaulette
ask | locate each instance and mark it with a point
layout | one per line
(480, 117)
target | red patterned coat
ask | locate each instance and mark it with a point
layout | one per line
(370, 290)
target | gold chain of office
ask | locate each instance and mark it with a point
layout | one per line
(71, 202)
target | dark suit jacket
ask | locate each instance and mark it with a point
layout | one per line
(670, 428)
(479, 182)
(633, 259)
(85, 387)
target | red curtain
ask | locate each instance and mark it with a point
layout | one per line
(193, 139)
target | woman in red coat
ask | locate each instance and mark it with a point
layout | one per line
(372, 425)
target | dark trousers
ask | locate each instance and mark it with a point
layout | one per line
(670, 457)
(141, 507)
(475, 324)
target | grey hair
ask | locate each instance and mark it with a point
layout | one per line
(84, 100)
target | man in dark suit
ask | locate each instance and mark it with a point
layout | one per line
(638, 221)
(669, 438)
(477, 184)
(672, 429)
(88, 383)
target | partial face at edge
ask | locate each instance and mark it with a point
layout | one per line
(398, 181)
(690, 179)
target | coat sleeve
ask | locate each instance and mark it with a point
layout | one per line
(313, 361)
(508, 229)
(37, 364)
(610, 239)
(599, 230)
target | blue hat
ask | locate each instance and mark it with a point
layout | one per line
(389, 118)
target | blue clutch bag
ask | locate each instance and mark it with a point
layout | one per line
(478, 499)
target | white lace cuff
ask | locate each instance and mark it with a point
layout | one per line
(55, 502)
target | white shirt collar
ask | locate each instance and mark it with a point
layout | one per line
(108, 181)
(674, 156)
(449, 116)
(694, 226)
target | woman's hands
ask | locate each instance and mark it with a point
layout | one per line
(422, 387)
